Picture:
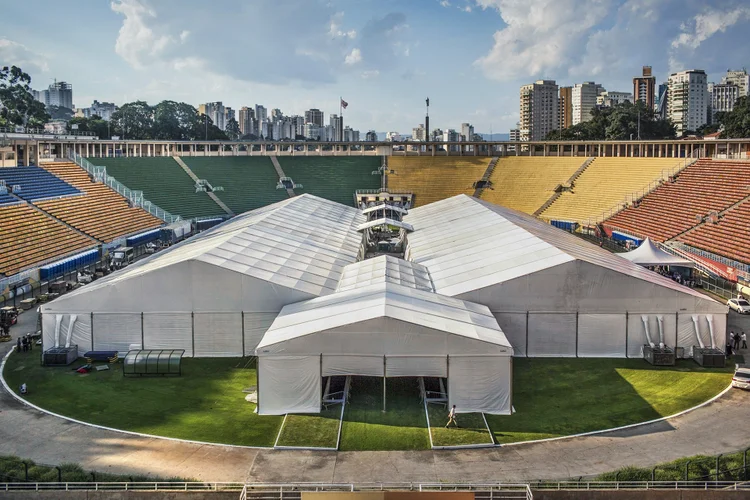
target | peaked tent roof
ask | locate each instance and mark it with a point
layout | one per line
(427, 309)
(648, 254)
(468, 244)
(382, 269)
(302, 243)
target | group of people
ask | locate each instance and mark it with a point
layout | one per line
(24, 343)
(733, 341)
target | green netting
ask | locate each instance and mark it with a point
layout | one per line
(331, 177)
(248, 182)
(163, 182)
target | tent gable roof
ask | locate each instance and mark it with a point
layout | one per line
(648, 254)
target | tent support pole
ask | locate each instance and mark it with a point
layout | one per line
(527, 334)
(321, 380)
(676, 331)
(242, 318)
(143, 346)
(627, 355)
(384, 384)
(192, 331)
(92, 330)
(577, 334)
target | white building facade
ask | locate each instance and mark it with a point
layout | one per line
(539, 110)
(688, 100)
(723, 97)
(612, 98)
(583, 100)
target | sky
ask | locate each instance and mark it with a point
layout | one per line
(384, 57)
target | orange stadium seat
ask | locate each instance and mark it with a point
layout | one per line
(28, 237)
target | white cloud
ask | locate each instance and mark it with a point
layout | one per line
(703, 26)
(353, 57)
(334, 28)
(540, 36)
(137, 43)
(370, 74)
(467, 8)
(184, 35)
(445, 3)
(16, 54)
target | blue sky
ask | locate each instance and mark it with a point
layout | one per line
(384, 57)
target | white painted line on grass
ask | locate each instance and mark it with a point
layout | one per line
(276, 443)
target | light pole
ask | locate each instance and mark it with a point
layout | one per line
(206, 120)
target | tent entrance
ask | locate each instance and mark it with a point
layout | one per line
(434, 390)
(397, 394)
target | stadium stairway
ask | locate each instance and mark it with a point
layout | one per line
(486, 177)
(195, 178)
(526, 183)
(100, 212)
(604, 185)
(434, 178)
(28, 238)
(163, 183)
(248, 182)
(567, 183)
(334, 178)
(678, 206)
(280, 171)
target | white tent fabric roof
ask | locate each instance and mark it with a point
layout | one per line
(648, 254)
(384, 206)
(302, 243)
(468, 244)
(385, 268)
(430, 310)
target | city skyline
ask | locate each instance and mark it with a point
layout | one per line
(383, 59)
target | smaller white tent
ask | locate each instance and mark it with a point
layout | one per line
(648, 254)
(384, 329)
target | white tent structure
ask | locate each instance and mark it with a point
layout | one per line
(478, 283)
(648, 254)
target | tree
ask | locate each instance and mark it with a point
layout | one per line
(101, 128)
(17, 103)
(736, 122)
(134, 120)
(233, 129)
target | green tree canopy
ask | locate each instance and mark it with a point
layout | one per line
(736, 122)
(101, 128)
(18, 106)
(233, 129)
(134, 120)
(60, 113)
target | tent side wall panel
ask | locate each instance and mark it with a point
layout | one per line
(366, 366)
(289, 384)
(601, 335)
(637, 331)
(168, 331)
(416, 366)
(552, 335)
(480, 384)
(256, 325)
(116, 331)
(514, 328)
(218, 335)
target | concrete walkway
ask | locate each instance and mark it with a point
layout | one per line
(32, 434)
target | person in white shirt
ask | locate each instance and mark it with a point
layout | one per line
(744, 340)
(452, 417)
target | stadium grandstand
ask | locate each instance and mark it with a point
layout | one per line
(604, 185)
(247, 182)
(434, 178)
(332, 178)
(707, 187)
(163, 183)
(526, 183)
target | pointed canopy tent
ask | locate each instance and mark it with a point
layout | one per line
(384, 330)
(648, 254)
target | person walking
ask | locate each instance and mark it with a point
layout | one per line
(31, 342)
(744, 340)
(736, 341)
(452, 417)
(18, 344)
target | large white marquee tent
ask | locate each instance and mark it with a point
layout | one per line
(289, 280)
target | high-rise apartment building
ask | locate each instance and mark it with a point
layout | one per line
(58, 94)
(371, 136)
(103, 110)
(229, 114)
(611, 98)
(261, 113)
(215, 111)
(661, 100)
(688, 100)
(337, 124)
(419, 133)
(314, 116)
(723, 96)
(565, 108)
(247, 120)
(739, 78)
(298, 126)
(644, 88)
(467, 132)
(583, 98)
(539, 110)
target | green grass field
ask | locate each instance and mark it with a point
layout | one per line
(559, 397)
(552, 397)
(318, 431)
(205, 404)
(402, 427)
(471, 429)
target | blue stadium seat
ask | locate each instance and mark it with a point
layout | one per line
(36, 183)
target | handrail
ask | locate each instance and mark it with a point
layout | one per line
(135, 197)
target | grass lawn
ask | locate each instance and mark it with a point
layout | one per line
(402, 427)
(472, 428)
(319, 431)
(205, 404)
(558, 397)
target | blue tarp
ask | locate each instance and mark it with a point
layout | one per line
(618, 236)
(564, 224)
(143, 238)
(68, 265)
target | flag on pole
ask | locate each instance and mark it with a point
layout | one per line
(344, 104)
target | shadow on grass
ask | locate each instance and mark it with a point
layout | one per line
(559, 397)
(205, 404)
